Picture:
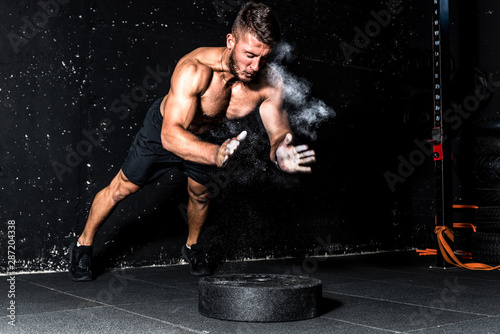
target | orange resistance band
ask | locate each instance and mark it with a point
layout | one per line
(427, 251)
(430, 251)
(448, 254)
(465, 225)
(465, 206)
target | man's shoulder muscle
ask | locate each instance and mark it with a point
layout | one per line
(272, 85)
(190, 72)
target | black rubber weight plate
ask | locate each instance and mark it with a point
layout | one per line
(259, 297)
(487, 168)
(486, 247)
(488, 193)
(488, 219)
(486, 145)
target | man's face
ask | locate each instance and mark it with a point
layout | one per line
(248, 56)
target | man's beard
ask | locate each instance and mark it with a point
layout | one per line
(234, 71)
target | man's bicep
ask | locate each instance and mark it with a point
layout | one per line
(274, 118)
(179, 109)
(186, 84)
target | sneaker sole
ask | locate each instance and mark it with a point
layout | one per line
(85, 278)
(185, 258)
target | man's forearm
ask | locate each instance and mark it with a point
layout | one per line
(189, 147)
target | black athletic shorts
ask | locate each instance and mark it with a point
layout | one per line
(147, 160)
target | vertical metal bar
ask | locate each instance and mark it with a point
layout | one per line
(442, 146)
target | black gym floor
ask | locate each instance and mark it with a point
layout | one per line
(372, 293)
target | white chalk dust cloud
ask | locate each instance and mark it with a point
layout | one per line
(305, 112)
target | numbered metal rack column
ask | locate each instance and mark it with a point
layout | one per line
(442, 146)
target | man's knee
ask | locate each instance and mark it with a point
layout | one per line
(199, 195)
(119, 195)
(121, 187)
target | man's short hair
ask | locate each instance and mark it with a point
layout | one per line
(259, 20)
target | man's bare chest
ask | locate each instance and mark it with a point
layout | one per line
(235, 101)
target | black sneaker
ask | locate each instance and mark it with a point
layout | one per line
(80, 263)
(196, 258)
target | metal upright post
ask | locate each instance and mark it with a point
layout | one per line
(442, 144)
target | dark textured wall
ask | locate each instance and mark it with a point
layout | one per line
(73, 94)
(488, 48)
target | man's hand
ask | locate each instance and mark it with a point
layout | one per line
(291, 158)
(227, 149)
